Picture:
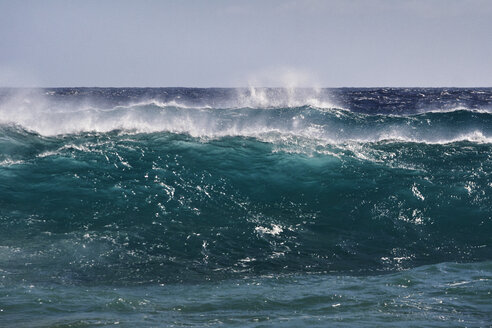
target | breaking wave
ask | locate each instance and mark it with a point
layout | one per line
(253, 115)
(134, 191)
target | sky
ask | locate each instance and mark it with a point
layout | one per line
(340, 43)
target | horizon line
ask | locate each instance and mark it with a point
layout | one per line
(245, 87)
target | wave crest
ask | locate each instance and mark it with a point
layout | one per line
(304, 113)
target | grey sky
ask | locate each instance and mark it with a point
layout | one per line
(237, 43)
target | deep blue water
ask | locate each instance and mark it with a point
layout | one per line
(246, 207)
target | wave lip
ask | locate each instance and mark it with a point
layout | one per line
(211, 112)
(332, 125)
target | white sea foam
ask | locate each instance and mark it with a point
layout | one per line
(456, 109)
(9, 162)
(274, 230)
(475, 136)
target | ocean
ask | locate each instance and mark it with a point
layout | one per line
(249, 207)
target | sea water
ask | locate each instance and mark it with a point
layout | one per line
(245, 207)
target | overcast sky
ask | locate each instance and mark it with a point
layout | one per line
(239, 43)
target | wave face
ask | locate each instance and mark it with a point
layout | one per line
(119, 188)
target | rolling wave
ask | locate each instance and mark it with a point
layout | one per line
(164, 207)
(169, 190)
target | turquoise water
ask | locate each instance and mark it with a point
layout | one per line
(442, 295)
(159, 214)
